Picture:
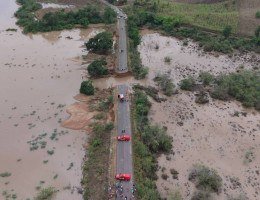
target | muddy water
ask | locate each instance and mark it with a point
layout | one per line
(209, 134)
(187, 60)
(39, 76)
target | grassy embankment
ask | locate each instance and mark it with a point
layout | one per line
(54, 21)
(184, 20)
(95, 168)
(148, 142)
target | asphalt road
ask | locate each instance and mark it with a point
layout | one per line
(124, 149)
(122, 41)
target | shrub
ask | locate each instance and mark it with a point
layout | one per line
(201, 195)
(187, 84)
(139, 71)
(165, 83)
(101, 43)
(167, 59)
(205, 179)
(165, 176)
(97, 68)
(257, 14)
(156, 139)
(227, 31)
(109, 16)
(87, 88)
(46, 194)
(5, 174)
(257, 32)
(206, 78)
(243, 86)
(201, 97)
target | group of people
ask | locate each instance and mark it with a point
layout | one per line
(119, 192)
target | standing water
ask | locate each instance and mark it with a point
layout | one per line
(39, 76)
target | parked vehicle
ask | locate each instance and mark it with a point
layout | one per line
(123, 138)
(123, 177)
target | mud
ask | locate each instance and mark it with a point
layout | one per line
(211, 134)
(39, 76)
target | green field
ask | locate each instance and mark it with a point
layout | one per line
(211, 16)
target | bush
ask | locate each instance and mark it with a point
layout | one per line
(87, 88)
(167, 59)
(187, 84)
(243, 86)
(257, 14)
(101, 43)
(97, 68)
(227, 31)
(139, 71)
(205, 179)
(165, 176)
(206, 78)
(46, 194)
(201, 195)
(201, 97)
(257, 32)
(156, 139)
(166, 84)
(109, 16)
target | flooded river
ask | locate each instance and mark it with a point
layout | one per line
(39, 76)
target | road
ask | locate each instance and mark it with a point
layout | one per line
(122, 40)
(124, 162)
(124, 149)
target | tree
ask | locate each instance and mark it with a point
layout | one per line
(109, 16)
(97, 68)
(87, 88)
(101, 43)
(227, 31)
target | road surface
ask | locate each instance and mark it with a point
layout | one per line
(124, 162)
(122, 40)
(124, 149)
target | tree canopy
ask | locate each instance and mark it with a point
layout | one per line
(97, 68)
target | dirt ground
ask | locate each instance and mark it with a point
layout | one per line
(247, 20)
(209, 134)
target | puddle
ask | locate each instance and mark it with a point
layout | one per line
(39, 76)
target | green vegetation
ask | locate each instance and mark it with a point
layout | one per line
(165, 83)
(257, 14)
(87, 88)
(54, 21)
(206, 78)
(101, 43)
(97, 68)
(243, 86)
(227, 31)
(205, 179)
(139, 71)
(148, 141)
(171, 17)
(46, 194)
(211, 16)
(109, 16)
(201, 195)
(95, 168)
(104, 105)
(187, 83)
(5, 174)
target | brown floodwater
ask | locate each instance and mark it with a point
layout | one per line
(208, 134)
(39, 76)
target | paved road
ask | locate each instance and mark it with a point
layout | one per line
(124, 149)
(122, 41)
